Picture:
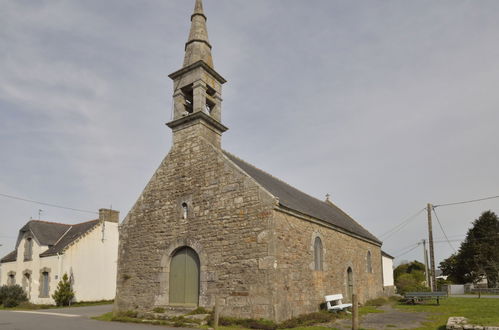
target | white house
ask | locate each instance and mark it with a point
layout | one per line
(387, 264)
(45, 251)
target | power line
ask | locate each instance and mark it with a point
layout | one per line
(46, 204)
(401, 225)
(443, 231)
(466, 202)
(413, 248)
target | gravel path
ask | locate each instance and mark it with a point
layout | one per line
(391, 319)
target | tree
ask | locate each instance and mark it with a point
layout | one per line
(478, 254)
(410, 277)
(64, 294)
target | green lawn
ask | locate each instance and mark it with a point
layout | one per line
(484, 311)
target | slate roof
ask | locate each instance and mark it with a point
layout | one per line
(47, 233)
(294, 199)
(72, 234)
(383, 253)
(10, 257)
(57, 236)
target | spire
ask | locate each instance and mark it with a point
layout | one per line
(198, 46)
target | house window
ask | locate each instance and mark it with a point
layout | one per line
(369, 264)
(44, 292)
(28, 249)
(27, 282)
(11, 280)
(185, 210)
(318, 254)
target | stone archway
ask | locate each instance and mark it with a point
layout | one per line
(184, 277)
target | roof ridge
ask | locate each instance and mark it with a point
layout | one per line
(49, 222)
(280, 180)
(302, 202)
(81, 223)
(65, 233)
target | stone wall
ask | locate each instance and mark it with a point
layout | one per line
(227, 212)
(298, 288)
(255, 257)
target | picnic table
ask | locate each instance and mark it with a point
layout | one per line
(415, 297)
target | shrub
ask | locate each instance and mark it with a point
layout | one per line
(376, 302)
(245, 323)
(199, 310)
(12, 295)
(64, 294)
(159, 310)
(308, 320)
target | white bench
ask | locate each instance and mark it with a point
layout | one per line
(333, 302)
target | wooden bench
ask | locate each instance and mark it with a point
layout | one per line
(415, 297)
(333, 303)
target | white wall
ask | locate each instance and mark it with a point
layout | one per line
(92, 260)
(34, 265)
(387, 271)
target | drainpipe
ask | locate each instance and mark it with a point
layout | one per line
(59, 257)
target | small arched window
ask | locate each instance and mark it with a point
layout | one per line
(318, 254)
(185, 210)
(369, 264)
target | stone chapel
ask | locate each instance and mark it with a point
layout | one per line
(209, 224)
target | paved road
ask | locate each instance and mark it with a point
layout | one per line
(76, 318)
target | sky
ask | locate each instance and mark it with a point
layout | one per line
(385, 105)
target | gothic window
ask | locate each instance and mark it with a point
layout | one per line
(349, 283)
(318, 254)
(369, 265)
(185, 210)
(28, 249)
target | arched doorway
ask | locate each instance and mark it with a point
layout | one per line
(349, 283)
(184, 277)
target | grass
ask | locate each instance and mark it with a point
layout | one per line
(478, 311)
(131, 317)
(298, 328)
(30, 306)
(369, 309)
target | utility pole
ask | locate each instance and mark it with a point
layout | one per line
(433, 286)
(426, 268)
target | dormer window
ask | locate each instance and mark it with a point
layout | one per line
(185, 210)
(28, 249)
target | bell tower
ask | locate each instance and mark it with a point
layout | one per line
(197, 87)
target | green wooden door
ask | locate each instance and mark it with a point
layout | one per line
(184, 277)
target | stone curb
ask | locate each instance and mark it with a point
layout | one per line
(461, 323)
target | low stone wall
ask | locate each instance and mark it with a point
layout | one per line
(461, 323)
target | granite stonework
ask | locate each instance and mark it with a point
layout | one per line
(255, 255)
(461, 323)
(301, 289)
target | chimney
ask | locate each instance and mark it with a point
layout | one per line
(109, 215)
